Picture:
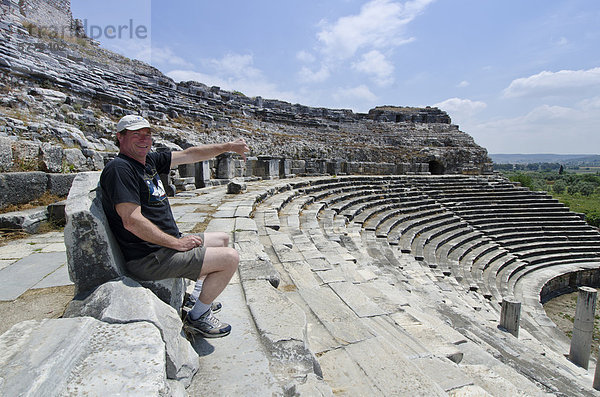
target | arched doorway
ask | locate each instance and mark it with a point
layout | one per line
(436, 168)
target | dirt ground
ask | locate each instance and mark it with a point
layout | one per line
(561, 310)
(35, 304)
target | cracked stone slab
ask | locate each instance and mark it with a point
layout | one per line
(96, 358)
(387, 368)
(360, 303)
(339, 319)
(331, 276)
(111, 303)
(344, 375)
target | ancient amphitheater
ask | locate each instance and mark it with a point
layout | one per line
(376, 249)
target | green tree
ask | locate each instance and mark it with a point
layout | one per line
(559, 186)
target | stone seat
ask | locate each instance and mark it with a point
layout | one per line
(528, 246)
(406, 231)
(518, 275)
(384, 221)
(353, 203)
(422, 243)
(437, 239)
(406, 213)
(406, 202)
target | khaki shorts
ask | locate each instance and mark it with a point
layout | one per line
(169, 263)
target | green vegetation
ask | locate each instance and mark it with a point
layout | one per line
(578, 191)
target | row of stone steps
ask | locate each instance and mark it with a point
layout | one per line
(322, 270)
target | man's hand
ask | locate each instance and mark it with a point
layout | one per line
(240, 147)
(189, 242)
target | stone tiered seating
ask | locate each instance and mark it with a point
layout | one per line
(362, 295)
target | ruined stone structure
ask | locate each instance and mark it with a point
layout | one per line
(63, 95)
(381, 240)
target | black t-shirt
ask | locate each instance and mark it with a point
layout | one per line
(125, 180)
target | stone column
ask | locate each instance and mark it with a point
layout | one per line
(251, 164)
(510, 316)
(583, 327)
(267, 167)
(596, 384)
(202, 174)
(225, 166)
(285, 166)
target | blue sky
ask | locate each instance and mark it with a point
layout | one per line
(519, 76)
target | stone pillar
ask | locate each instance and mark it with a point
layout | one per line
(298, 167)
(187, 170)
(202, 173)
(285, 166)
(251, 164)
(510, 316)
(583, 327)
(322, 166)
(268, 167)
(225, 166)
(334, 167)
(596, 384)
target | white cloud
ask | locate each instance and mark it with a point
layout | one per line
(461, 106)
(463, 84)
(165, 57)
(236, 65)
(379, 24)
(561, 83)
(305, 56)
(562, 41)
(375, 64)
(309, 76)
(544, 129)
(235, 72)
(362, 93)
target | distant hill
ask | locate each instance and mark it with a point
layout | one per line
(567, 159)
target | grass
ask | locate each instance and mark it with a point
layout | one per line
(42, 201)
(579, 203)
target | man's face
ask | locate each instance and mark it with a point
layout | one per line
(136, 144)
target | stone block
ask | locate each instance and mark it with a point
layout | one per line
(6, 157)
(283, 335)
(60, 184)
(82, 356)
(201, 173)
(126, 301)
(26, 154)
(225, 166)
(56, 213)
(21, 187)
(51, 157)
(75, 161)
(236, 187)
(28, 220)
(92, 251)
(93, 254)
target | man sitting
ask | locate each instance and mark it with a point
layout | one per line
(139, 214)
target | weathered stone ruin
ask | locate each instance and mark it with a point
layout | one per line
(382, 241)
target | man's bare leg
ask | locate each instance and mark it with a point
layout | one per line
(220, 263)
(211, 239)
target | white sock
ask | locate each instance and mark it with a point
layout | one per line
(198, 309)
(197, 289)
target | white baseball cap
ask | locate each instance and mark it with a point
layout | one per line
(132, 122)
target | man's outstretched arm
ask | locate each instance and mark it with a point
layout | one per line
(142, 227)
(206, 152)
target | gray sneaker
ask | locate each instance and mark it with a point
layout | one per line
(208, 325)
